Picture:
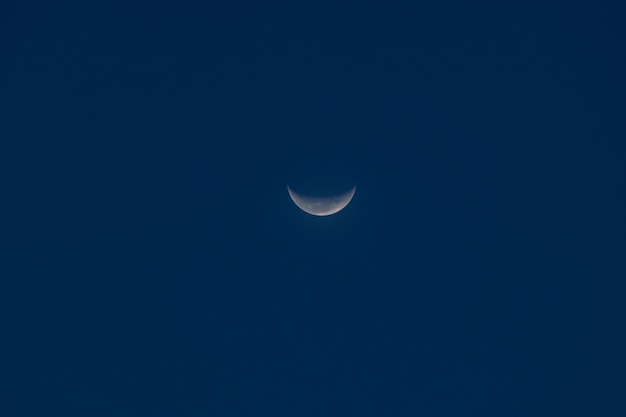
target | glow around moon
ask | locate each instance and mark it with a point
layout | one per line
(322, 206)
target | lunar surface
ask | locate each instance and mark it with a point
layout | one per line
(322, 206)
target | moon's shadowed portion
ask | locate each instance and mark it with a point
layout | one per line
(322, 206)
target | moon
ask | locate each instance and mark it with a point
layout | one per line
(322, 206)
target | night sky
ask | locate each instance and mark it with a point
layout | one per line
(153, 264)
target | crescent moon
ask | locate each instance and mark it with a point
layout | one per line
(322, 206)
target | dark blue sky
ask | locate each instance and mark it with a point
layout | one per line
(152, 264)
